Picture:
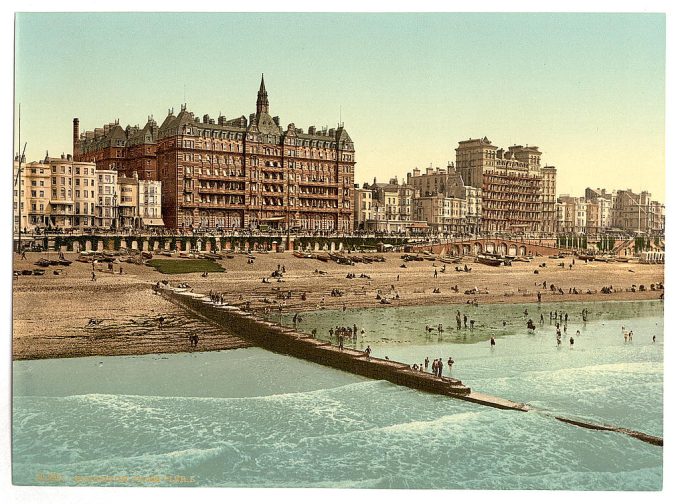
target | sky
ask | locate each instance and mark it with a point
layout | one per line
(587, 89)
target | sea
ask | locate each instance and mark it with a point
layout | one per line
(252, 418)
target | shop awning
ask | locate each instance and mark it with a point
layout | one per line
(273, 219)
(152, 221)
(418, 225)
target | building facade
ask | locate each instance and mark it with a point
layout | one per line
(66, 194)
(108, 199)
(149, 203)
(516, 191)
(237, 173)
(128, 205)
(637, 213)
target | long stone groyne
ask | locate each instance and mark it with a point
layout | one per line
(285, 340)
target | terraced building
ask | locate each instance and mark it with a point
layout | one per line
(235, 173)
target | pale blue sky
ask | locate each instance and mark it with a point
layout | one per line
(588, 89)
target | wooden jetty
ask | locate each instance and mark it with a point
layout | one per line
(285, 340)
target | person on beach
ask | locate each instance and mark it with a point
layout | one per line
(542, 321)
(654, 338)
(368, 352)
(458, 323)
(427, 362)
(571, 342)
(472, 324)
(362, 332)
(94, 277)
(465, 319)
(450, 363)
(440, 367)
(493, 342)
(23, 254)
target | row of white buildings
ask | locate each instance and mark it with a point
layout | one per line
(64, 194)
(435, 201)
(619, 211)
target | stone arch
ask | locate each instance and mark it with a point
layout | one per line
(341, 246)
(187, 245)
(522, 250)
(199, 244)
(503, 248)
(466, 249)
(490, 248)
(145, 245)
(134, 245)
(75, 246)
(455, 249)
(332, 246)
(100, 246)
(156, 246)
(477, 247)
(512, 249)
(316, 246)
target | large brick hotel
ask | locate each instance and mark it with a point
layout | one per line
(234, 173)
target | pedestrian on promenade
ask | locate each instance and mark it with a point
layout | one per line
(368, 352)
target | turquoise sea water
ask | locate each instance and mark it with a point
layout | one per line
(249, 417)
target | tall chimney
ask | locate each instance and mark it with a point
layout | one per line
(76, 135)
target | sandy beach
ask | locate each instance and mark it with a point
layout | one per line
(51, 313)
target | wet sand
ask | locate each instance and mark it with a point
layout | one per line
(51, 312)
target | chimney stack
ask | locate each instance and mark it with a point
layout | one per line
(76, 136)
